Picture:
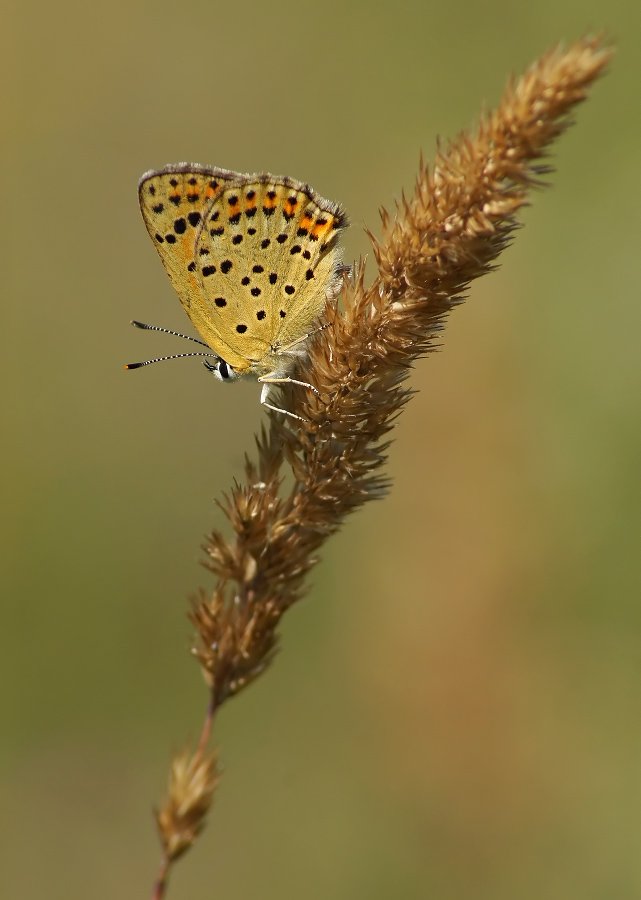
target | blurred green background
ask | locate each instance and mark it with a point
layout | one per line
(455, 710)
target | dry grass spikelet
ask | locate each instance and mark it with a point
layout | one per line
(192, 782)
(460, 216)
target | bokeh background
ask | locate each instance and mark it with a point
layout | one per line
(455, 712)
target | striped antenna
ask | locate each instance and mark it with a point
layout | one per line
(148, 362)
(146, 327)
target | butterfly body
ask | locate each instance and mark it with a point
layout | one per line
(253, 259)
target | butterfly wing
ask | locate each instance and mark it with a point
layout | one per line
(267, 260)
(174, 201)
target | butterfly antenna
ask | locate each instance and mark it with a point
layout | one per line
(179, 334)
(148, 362)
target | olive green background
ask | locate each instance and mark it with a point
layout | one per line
(455, 712)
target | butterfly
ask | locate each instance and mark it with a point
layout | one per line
(253, 259)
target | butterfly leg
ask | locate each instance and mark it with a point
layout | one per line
(288, 347)
(263, 399)
(285, 379)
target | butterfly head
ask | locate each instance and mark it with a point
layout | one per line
(221, 370)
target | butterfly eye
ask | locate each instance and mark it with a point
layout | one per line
(223, 370)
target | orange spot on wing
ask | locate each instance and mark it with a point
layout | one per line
(320, 230)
